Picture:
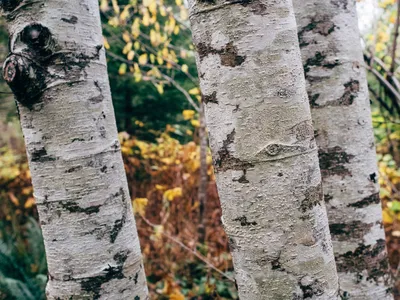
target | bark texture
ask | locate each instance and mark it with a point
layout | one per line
(263, 146)
(57, 70)
(338, 94)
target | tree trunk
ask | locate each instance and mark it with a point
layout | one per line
(338, 93)
(58, 73)
(264, 151)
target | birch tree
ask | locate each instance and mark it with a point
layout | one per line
(58, 73)
(263, 146)
(338, 94)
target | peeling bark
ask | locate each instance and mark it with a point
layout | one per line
(264, 151)
(338, 93)
(58, 73)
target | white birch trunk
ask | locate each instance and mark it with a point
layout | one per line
(58, 73)
(264, 151)
(338, 92)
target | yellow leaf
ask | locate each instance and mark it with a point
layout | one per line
(178, 2)
(160, 88)
(126, 37)
(184, 13)
(194, 91)
(104, 5)
(122, 69)
(13, 199)
(146, 18)
(185, 68)
(131, 55)
(30, 202)
(143, 59)
(171, 194)
(176, 295)
(136, 45)
(188, 114)
(106, 44)
(387, 218)
(195, 123)
(115, 6)
(139, 205)
(127, 48)
(176, 30)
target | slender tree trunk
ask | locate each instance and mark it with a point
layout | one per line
(203, 180)
(338, 94)
(58, 73)
(264, 151)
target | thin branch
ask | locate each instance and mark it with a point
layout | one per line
(199, 256)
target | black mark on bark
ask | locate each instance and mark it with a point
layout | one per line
(312, 197)
(333, 161)
(99, 98)
(118, 224)
(352, 230)
(210, 98)
(311, 288)
(243, 221)
(340, 3)
(242, 178)
(226, 161)
(373, 177)
(319, 60)
(229, 54)
(351, 90)
(73, 207)
(372, 199)
(93, 284)
(74, 169)
(319, 24)
(9, 5)
(40, 155)
(371, 258)
(70, 20)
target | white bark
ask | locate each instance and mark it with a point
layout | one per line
(74, 155)
(264, 150)
(338, 92)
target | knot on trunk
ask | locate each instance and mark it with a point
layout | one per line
(25, 78)
(26, 71)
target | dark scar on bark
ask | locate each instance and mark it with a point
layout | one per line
(319, 24)
(340, 3)
(371, 258)
(118, 224)
(351, 90)
(99, 98)
(312, 197)
(243, 221)
(74, 169)
(210, 98)
(242, 178)
(229, 54)
(93, 284)
(226, 161)
(73, 207)
(70, 20)
(40, 155)
(372, 199)
(333, 161)
(352, 230)
(312, 289)
(319, 61)
(313, 99)
(373, 177)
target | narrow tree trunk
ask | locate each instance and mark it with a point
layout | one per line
(58, 73)
(203, 180)
(338, 94)
(264, 151)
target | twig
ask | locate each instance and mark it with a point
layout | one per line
(192, 251)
